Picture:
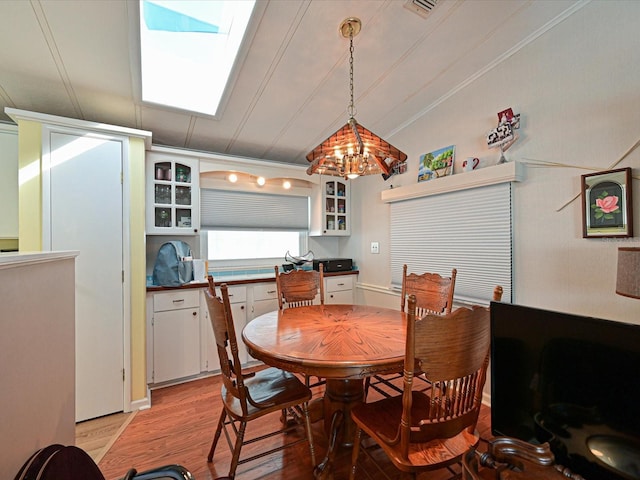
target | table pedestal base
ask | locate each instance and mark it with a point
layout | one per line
(339, 398)
(342, 395)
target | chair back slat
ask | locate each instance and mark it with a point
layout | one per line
(299, 288)
(434, 293)
(226, 343)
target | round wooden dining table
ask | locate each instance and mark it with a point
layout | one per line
(342, 343)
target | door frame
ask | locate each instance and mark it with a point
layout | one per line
(47, 130)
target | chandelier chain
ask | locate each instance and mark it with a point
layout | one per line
(351, 110)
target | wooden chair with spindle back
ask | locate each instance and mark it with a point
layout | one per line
(247, 397)
(428, 430)
(434, 295)
(300, 288)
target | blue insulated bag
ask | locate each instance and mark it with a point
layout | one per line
(174, 265)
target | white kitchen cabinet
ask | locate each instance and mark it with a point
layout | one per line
(339, 289)
(176, 335)
(265, 299)
(238, 300)
(172, 194)
(331, 215)
(9, 181)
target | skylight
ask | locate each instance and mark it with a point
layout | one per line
(188, 48)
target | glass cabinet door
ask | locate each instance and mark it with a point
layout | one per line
(335, 213)
(173, 202)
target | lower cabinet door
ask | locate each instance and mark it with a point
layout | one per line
(176, 344)
(239, 312)
(261, 307)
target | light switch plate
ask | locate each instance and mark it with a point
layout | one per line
(375, 247)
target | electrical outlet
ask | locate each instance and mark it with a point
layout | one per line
(375, 247)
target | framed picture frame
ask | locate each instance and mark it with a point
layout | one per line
(607, 204)
(436, 164)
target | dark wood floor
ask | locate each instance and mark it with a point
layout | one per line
(179, 426)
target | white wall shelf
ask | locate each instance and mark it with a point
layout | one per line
(506, 172)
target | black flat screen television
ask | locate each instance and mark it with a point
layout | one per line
(569, 380)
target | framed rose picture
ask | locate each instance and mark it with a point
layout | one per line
(606, 204)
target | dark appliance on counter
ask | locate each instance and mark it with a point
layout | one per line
(333, 264)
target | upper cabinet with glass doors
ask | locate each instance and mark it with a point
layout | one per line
(333, 217)
(173, 195)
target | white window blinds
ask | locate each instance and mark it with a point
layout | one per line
(469, 230)
(229, 209)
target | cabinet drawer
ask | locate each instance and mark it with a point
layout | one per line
(265, 291)
(176, 300)
(336, 284)
(237, 294)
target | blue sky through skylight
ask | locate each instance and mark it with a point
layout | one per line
(188, 49)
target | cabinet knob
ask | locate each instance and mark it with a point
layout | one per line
(194, 313)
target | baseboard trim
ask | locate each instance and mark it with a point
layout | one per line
(142, 404)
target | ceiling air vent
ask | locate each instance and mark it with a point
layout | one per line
(421, 7)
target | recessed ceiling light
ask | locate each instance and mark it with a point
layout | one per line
(233, 178)
(286, 184)
(261, 181)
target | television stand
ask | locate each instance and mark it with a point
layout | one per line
(513, 459)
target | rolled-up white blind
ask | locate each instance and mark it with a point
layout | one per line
(469, 230)
(229, 209)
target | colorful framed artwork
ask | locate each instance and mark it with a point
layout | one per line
(607, 204)
(436, 164)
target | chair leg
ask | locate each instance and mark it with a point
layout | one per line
(216, 437)
(354, 453)
(366, 383)
(236, 449)
(307, 424)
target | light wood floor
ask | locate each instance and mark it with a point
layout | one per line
(179, 426)
(97, 436)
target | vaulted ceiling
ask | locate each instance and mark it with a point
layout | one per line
(290, 88)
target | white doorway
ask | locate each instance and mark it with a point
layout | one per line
(83, 210)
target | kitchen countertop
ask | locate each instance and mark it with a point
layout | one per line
(238, 280)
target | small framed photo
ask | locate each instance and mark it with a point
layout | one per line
(505, 116)
(607, 204)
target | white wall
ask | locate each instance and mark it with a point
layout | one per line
(577, 88)
(37, 355)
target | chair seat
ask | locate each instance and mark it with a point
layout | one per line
(271, 390)
(381, 419)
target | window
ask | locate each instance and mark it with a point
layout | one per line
(247, 228)
(188, 49)
(469, 230)
(260, 245)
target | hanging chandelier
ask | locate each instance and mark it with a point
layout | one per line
(353, 150)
